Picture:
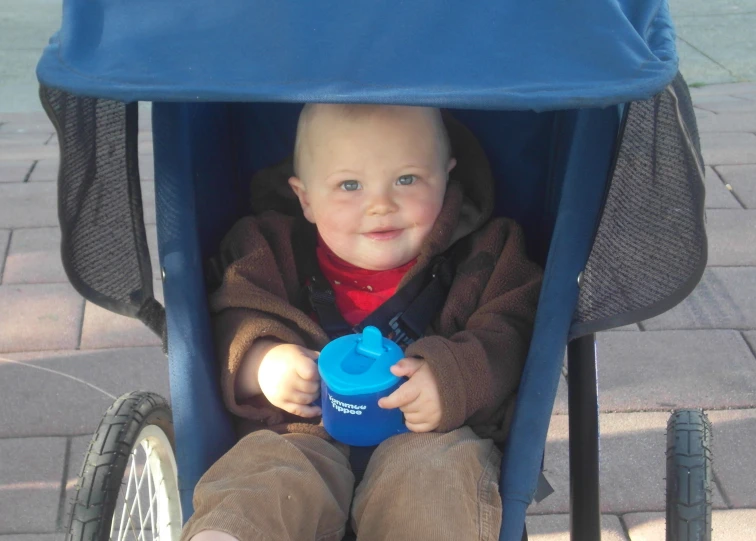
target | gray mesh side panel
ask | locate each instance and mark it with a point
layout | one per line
(104, 246)
(650, 247)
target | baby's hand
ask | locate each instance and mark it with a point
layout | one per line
(289, 379)
(418, 398)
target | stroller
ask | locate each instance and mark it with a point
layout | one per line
(591, 137)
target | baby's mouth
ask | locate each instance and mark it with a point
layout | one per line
(383, 234)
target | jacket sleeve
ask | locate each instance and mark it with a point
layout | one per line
(483, 333)
(255, 301)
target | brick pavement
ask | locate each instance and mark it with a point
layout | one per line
(62, 360)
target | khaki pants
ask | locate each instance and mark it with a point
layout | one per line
(298, 487)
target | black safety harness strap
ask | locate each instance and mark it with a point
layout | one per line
(403, 318)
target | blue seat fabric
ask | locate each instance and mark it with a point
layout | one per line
(550, 169)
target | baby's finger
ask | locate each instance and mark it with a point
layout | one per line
(419, 427)
(406, 367)
(298, 397)
(307, 386)
(303, 411)
(404, 395)
(307, 369)
(412, 407)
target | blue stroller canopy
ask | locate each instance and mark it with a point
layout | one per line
(484, 55)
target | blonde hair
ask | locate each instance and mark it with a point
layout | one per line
(356, 110)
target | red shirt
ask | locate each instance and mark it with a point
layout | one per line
(358, 291)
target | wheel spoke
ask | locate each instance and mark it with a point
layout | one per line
(132, 476)
(137, 499)
(150, 489)
(136, 504)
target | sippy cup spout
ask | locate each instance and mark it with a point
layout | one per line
(371, 343)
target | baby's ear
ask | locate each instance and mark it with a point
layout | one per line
(452, 164)
(301, 192)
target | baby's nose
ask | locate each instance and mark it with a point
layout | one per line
(381, 205)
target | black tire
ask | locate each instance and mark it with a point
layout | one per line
(102, 475)
(689, 476)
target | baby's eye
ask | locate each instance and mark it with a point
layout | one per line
(350, 185)
(406, 180)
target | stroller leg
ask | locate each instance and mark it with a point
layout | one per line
(585, 515)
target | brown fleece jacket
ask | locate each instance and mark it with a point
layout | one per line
(477, 344)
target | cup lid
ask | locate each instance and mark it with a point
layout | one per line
(359, 363)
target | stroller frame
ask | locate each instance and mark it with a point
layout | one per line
(606, 179)
(188, 232)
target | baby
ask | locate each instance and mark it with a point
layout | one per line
(374, 187)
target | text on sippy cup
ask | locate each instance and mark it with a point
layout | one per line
(345, 407)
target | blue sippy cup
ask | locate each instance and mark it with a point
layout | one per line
(354, 375)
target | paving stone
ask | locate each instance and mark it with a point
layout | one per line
(734, 460)
(26, 126)
(34, 257)
(561, 404)
(557, 528)
(732, 237)
(726, 122)
(105, 329)
(702, 115)
(31, 470)
(67, 392)
(698, 67)
(730, 89)
(28, 205)
(27, 120)
(646, 526)
(34, 537)
(79, 448)
(750, 337)
(625, 328)
(742, 178)
(14, 170)
(23, 138)
(724, 299)
(725, 104)
(727, 525)
(725, 36)
(4, 238)
(632, 464)
(37, 317)
(728, 148)
(661, 370)
(717, 195)
(734, 524)
(28, 151)
(45, 171)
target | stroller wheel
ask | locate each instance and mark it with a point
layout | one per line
(689, 476)
(128, 486)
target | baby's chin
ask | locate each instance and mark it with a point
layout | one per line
(383, 264)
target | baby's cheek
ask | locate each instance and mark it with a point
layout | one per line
(334, 221)
(427, 209)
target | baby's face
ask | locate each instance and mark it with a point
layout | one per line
(373, 183)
